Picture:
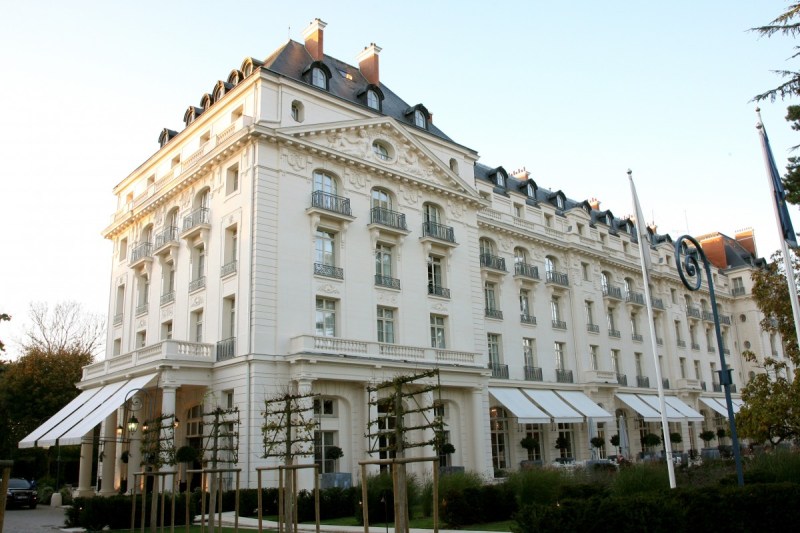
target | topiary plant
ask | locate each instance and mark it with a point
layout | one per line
(650, 440)
(707, 436)
(531, 444)
(597, 442)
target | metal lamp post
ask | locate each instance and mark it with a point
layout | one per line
(688, 263)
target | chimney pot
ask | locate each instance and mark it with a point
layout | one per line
(313, 38)
(368, 63)
(595, 203)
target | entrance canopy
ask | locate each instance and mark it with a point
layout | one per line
(637, 404)
(585, 405)
(718, 405)
(71, 423)
(520, 406)
(649, 407)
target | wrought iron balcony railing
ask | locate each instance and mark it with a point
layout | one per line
(636, 337)
(717, 387)
(167, 297)
(493, 261)
(331, 202)
(438, 231)
(199, 216)
(141, 309)
(118, 319)
(659, 341)
(227, 268)
(559, 278)
(387, 281)
(665, 383)
(166, 236)
(198, 283)
(680, 343)
(141, 250)
(614, 333)
(527, 319)
(695, 346)
(329, 271)
(708, 316)
(610, 291)
(226, 349)
(635, 298)
(559, 324)
(564, 376)
(738, 291)
(499, 371)
(725, 319)
(494, 313)
(693, 312)
(387, 217)
(643, 382)
(658, 303)
(622, 379)
(526, 270)
(593, 328)
(533, 373)
(436, 290)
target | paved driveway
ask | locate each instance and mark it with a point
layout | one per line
(42, 519)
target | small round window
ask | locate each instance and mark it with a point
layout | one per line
(746, 345)
(742, 318)
(381, 151)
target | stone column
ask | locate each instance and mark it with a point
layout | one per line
(85, 473)
(480, 416)
(109, 461)
(168, 394)
(135, 454)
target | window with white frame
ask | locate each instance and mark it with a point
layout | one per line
(529, 352)
(637, 357)
(682, 366)
(493, 345)
(385, 322)
(232, 179)
(534, 431)
(499, 424)
(196, 325)
(231, 250)
(326, 407)
(383, 264)
(615, 361)
(435, 274)
(318, 78)
(525, 303)
(566, 434)
(560, 356)
(438, 338)
(325, 183)
(372, 100)
(326, 317)
(141, 339)
(594, 356)
(555, 309)
(323, 442)
(490, 296)
(166, 330)
(697, 372)
(419, 119)
(228, 317)
(588, 306)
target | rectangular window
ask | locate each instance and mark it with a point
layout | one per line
(673, 295)
(117, 349)
(228, 317)
(232, 180)
(123, 249)
(524, 303)
(589, 307)
(325, 407)
(638, 359)
(166, 330)
(385, 325)
(678, 336)
(119, 303)
(383, 261)
(615, 361)
(199, 270)
(682, 366)
(490, 296)
(141, 339)
(493, 342)
(518, 211)
(325, 248)
(435, 274)
(594, 356)
(558, 351)
(697, 372)
(168, 279)
(555, 311)
(144, 291)
(529, 352)
(231, 246)
(587, 271)
(438, 339)
(326, 317)
(196, 324)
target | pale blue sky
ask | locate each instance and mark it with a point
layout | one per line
(576, 92)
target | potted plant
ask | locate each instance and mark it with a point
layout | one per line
(185, 455)
(707, 436)
(649, 441)
(721, 434)
(562, 444)
(707, 452)
(334, 453)
(597, 443)
(335, 479)
(125, 456)
(615, 442)
(531, 445)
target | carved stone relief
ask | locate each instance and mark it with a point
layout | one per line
(357, 179)
(328, 289)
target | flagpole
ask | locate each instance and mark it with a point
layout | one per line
(772, 175)
(644, 259)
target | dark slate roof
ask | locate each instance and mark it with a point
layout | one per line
(292, 60)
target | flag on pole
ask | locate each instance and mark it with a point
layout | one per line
(644, 242)
(779, 195)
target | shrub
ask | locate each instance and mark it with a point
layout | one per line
(539, 485)
(380, 497)
(781, 466)
(640, 478)
(115, 512)
(454, 482)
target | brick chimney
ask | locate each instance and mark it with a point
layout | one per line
(521, 174)
(368, 63)
(313, 38)
(595, 203)
(747, 239)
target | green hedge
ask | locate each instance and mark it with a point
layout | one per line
(771, 507)
(115, 512)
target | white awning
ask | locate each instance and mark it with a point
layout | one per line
(520, 406)
(682, 408)
(558, 409)
(673, 415)
(644, 410)
(36, 434)
(105, 400)
(76, 433)
(719, 405)
(585, 405)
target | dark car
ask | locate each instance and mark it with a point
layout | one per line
(21, 493)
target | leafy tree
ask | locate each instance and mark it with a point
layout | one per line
(3, 318)
(650, 440)
(707, 436)
(771, 410)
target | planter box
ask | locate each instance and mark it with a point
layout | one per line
(709, 453)
(342, 480)
(530, 464)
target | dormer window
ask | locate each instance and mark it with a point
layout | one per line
(419, 119)
(529, 190)
(500, 179)
(609, 219)
(560, 202)
(318, 78)
(373, 101)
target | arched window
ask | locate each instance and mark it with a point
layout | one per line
(297, 111)
(454, 165)
(605, 279)
(530, 190)
(381, 151)
(171, 221)
(487, 247)
(147, 234)
(419, 119)
(372, 100)
(549, 264)
(324, 182)
(318, 78)
(628, 286)
(432, 213)
(381, 199)
(520, 256)
(560, 201)
(500, 179)
(203, 199)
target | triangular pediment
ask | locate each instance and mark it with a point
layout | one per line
(405, 154)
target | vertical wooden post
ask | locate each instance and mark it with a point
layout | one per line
(364, 510)
(6, 466)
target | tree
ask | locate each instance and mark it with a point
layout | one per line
(771, 410)
(531, 444)
(68, 328)
(3, 318)
(650, 440)
(707, 436)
